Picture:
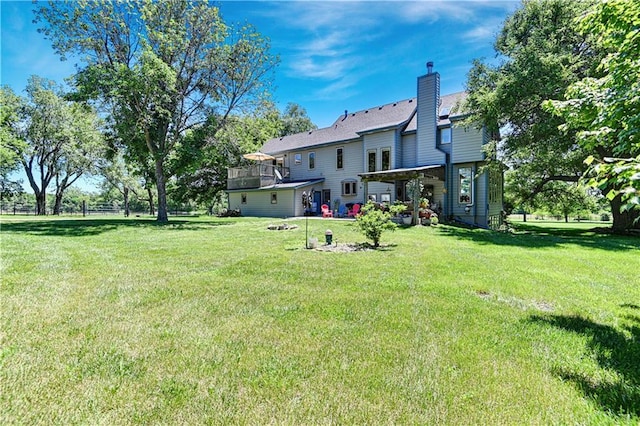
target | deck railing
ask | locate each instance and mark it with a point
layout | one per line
(255, 176)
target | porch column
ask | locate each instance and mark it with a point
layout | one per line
(366, 191)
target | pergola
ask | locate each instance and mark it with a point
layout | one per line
(394, 175)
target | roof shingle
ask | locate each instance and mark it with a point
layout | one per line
(348, 126)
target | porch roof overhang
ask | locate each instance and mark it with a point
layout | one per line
(435, 171)
(280, 186)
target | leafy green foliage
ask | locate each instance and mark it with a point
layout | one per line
(55, 140)
(11, 143)
(542, 54)
(606, 110)
(207, 151)
(545, 55)
(163, 68)
(373, 222)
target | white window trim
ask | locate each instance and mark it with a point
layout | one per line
(471, 183)
(353, 187)
(311, 154)
(382, 151)
(375, 166)
(450, 131)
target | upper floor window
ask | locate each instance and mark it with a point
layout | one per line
(312, 160)
(386, 158)
(297, 158)
(465, 185)
(445, 135)
(339, 158)
(371, 161)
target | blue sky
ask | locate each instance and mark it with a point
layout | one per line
(334, 55)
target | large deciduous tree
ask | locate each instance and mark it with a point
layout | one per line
(163, 67)
(540, 54)
(606, 110)
(59, 139)
(11, 144)
(209, 151)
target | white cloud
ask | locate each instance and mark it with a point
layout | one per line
(484, 31)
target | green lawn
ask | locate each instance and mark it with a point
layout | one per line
(221, 321)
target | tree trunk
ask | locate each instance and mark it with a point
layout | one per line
(566, 218)
(125, 194)
(57, 206)
(623, 221)
(152, 210)
(524, 216)
(41, 203)
(162, 192)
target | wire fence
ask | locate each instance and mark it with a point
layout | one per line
(84, 209)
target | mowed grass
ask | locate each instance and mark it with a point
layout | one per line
(221, 321)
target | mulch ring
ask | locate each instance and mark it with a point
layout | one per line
(346, 248)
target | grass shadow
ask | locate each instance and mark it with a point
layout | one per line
(87, 227)
(542, 237)
(614, 350)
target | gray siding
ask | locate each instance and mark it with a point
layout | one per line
(428, 96)
(408, 151)
(466, 144)
(326, 168)
(259, 203)
(378, 141)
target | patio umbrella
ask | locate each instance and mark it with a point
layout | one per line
(258, 156)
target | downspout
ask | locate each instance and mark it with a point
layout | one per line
(475, 196)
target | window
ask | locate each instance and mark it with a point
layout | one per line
(339, 163)
(274, 198)
(371, 161)
(312, 160)
(297, 158)
(350, 187)
(243, 198)
(385, 198)
(445, 135)
(466, 185)
(386, 159)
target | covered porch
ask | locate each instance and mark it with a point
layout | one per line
(431, 177)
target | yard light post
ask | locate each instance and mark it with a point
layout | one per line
(305, 204)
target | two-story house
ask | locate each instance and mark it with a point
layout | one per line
(373, 154)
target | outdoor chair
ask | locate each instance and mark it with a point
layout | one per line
(353, 212)
(325, 211)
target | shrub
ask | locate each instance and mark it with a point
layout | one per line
(373, 222)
